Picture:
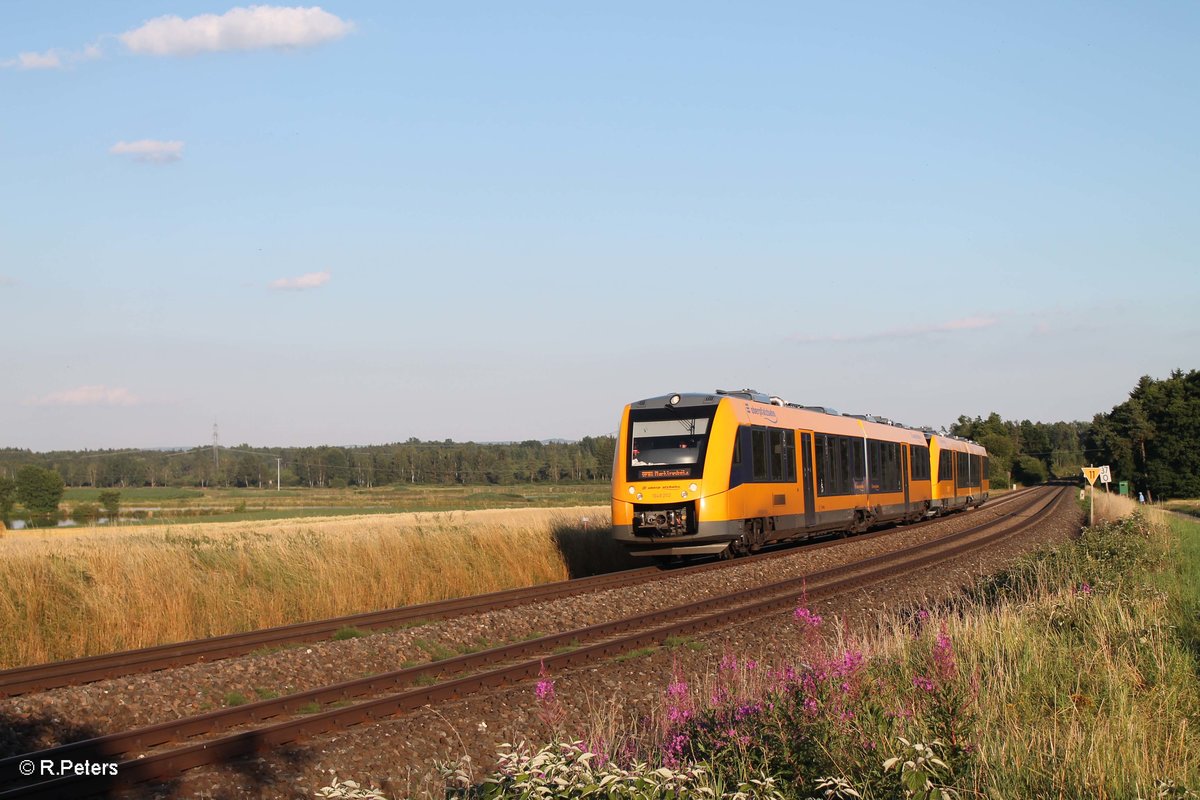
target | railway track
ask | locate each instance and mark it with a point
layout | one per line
(399, 691)
(41, 677)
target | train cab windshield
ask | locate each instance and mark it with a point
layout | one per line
(667, 443)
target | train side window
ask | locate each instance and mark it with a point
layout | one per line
(759, 451)
(875, 459)
(945, 466)
(789, 449)
(841, 465)
(889, 479)
(918, 463)
(859, 460)
(821, 456)
(778, 456)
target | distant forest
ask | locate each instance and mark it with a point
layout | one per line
(1152, 440)
(416, 462)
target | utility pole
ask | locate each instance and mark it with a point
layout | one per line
(216, 457)
(278, 471)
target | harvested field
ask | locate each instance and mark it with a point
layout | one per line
(80, 591)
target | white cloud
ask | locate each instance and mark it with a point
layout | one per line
(7, 280)
(252, 28)
(151, 151)
(52, 59)
(249, 28)
(309, 281)
(87, 396)
(47, 60)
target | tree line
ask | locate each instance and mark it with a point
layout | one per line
(1152, 440)
(413, 461)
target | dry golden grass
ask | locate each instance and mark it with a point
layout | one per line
(1111, 507)
(82, 591)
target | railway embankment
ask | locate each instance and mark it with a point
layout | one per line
(1070, 672)
(849, 672)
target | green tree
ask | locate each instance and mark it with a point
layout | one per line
(85, 513)
(111, 501)
(40, 491)
(8, 496)
(1153, 437)
(1029, 470)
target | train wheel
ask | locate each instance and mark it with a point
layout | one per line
(756, 536)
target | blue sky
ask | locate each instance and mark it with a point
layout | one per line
(375, 220)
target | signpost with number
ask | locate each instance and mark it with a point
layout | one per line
(1091, 473)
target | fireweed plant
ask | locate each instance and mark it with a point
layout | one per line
(1064, 676)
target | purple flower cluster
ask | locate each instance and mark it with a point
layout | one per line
(923, 683)
(944, 662)
(550, 711)
(807, 618)
(545, 687)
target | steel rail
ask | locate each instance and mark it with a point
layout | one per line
(695, 617)
(88, 669)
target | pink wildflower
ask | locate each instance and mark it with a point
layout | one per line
(678, 705)
(944, 661)
(545, 686)
(922, 682)
(598, 748)
(807, 618)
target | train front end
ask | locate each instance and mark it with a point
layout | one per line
(670, 475)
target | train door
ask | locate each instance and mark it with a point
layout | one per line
(810, 511)
(904, 475)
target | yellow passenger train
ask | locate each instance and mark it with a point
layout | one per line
(727, 472)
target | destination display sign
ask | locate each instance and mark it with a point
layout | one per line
(665, 473)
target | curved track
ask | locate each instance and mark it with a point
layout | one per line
(40, 677)
(396, 692)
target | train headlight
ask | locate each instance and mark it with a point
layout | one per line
(693, 488)
(683, 494)
(639, 497)
(675, 399)
(632, 490)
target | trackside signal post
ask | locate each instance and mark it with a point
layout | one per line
(1091, 473)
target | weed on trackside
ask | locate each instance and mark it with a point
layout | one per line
(1072, 674)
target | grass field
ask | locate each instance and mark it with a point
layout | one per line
(69, 592)
(1191, 507)
(145, 504)
(1073, 674)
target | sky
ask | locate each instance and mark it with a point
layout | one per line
(368, 221)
